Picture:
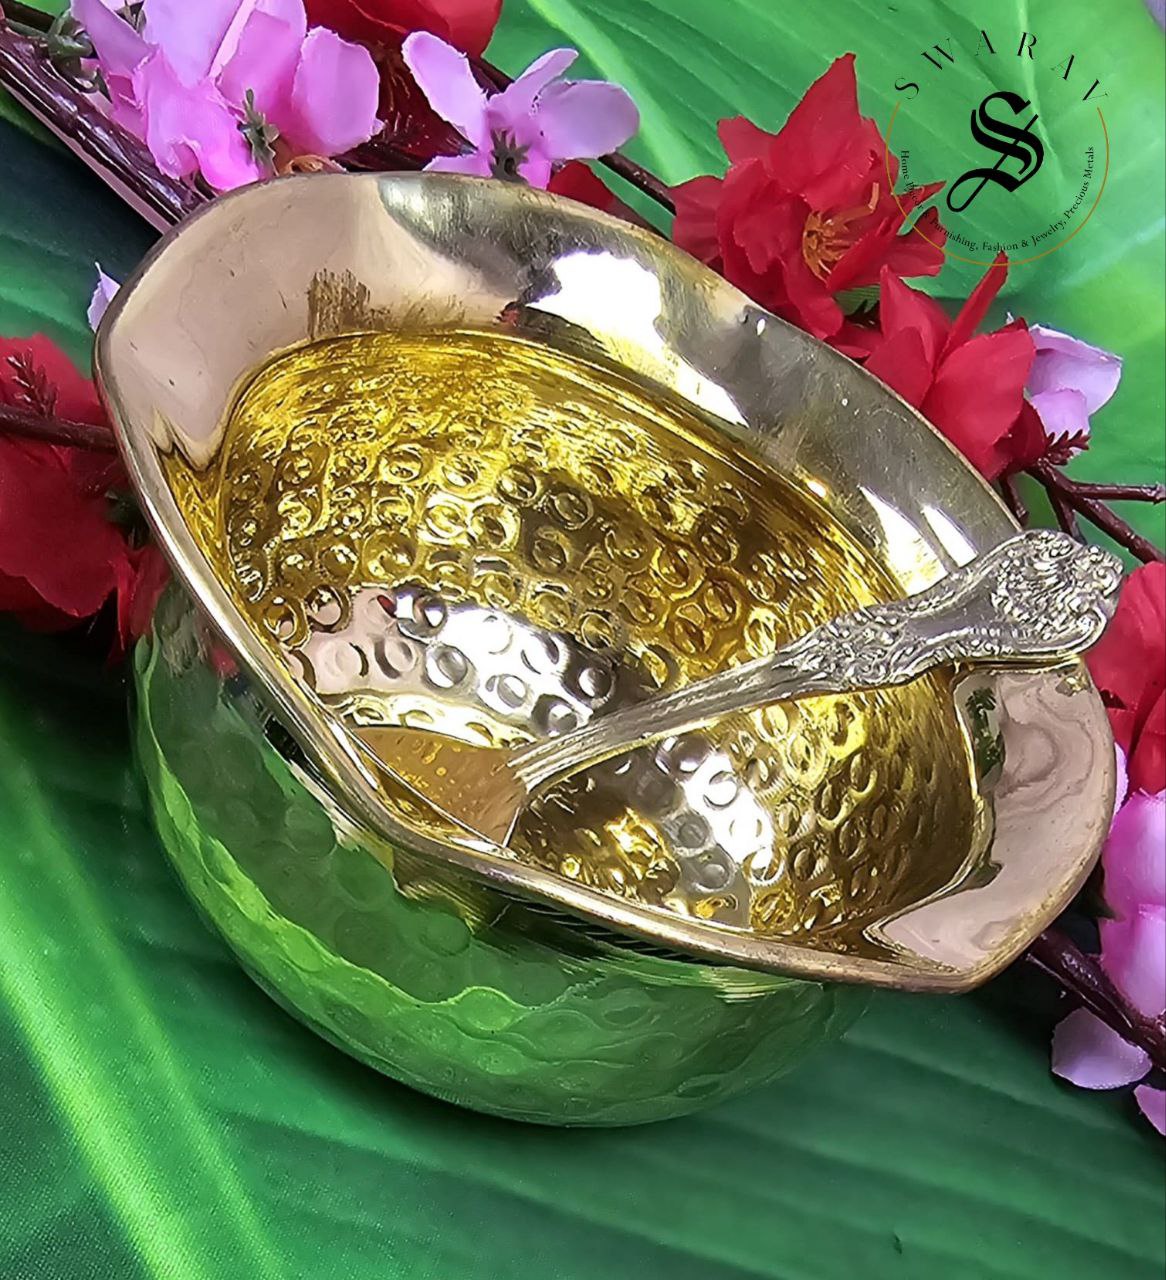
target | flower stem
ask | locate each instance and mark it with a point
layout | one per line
(73, 116)
(1081, 976)
(16, 420)
(1068, 496)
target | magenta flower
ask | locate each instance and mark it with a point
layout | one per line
(532, 125)
(209, 84)
(103, 293)
(1069, 381)
(1133, 953)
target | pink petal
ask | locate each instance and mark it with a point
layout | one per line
(119, 47)
(334, 95)
(536, 168)
(585, 119)
(445, 78)
(1064, 362)
(1133, 953)
(191, 32)
(517, 100)
(288, 14)
(476, 163)
(191, 127)
(1135, 854)
(1153, 1105)
(1088, 1054)
(265, 53)
(1062, 413)
(107, 286)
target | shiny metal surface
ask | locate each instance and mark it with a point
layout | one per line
(327, 256)
(452, 988)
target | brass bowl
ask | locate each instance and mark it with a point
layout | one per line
(522, 419)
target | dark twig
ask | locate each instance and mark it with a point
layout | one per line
(1066, 493)
(1012, 499)
(73, 116)
(1121, 492)
(1082, 977)
(1066, 516)
(16, 420)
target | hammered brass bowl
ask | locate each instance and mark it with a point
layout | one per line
(458, 455)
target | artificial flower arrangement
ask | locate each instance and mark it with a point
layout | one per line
(181, 101)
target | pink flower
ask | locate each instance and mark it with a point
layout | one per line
(103, 293)
(202, 72)
(528, 128)
(1070, 380)
(1133, 953)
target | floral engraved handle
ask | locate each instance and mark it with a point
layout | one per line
(1035, 600)
(1038, 598)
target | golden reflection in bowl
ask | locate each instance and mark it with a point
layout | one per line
(377, 497)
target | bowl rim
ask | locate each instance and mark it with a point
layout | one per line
(534, 231)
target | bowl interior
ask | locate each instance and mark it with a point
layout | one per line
(476, 535)
(433, 451)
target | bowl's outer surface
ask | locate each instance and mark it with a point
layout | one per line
(269, 267)
(471, 996)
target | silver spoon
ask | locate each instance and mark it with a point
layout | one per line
(1035, 600)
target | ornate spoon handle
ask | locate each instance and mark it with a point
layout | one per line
(1034, 600)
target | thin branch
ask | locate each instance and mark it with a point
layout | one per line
(74, 117)
(1012, 499)
(16, 420)
(1081, 976)
(1155, 493)
(1062, 490)
(1066, 516)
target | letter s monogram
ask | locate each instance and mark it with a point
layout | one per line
(1002, 136)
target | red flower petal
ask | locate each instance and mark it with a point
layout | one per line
(141, 578)
(823, 125)
(54, 536)
(1147, 763)
(978, 392)
(901, 307)
(743, 140)
(1129, 667)
(971, 314)
(467, 24)
(577, 181)
(901, 361)
(695, 226)
(918, 252)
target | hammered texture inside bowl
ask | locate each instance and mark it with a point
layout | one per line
(560, 541)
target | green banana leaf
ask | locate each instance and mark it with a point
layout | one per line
(162, 1118)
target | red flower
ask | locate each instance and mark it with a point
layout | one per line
(578, 181)
(61, 555)
(468, 24)
(969, 385)
(1129, 667)
(808, 212)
